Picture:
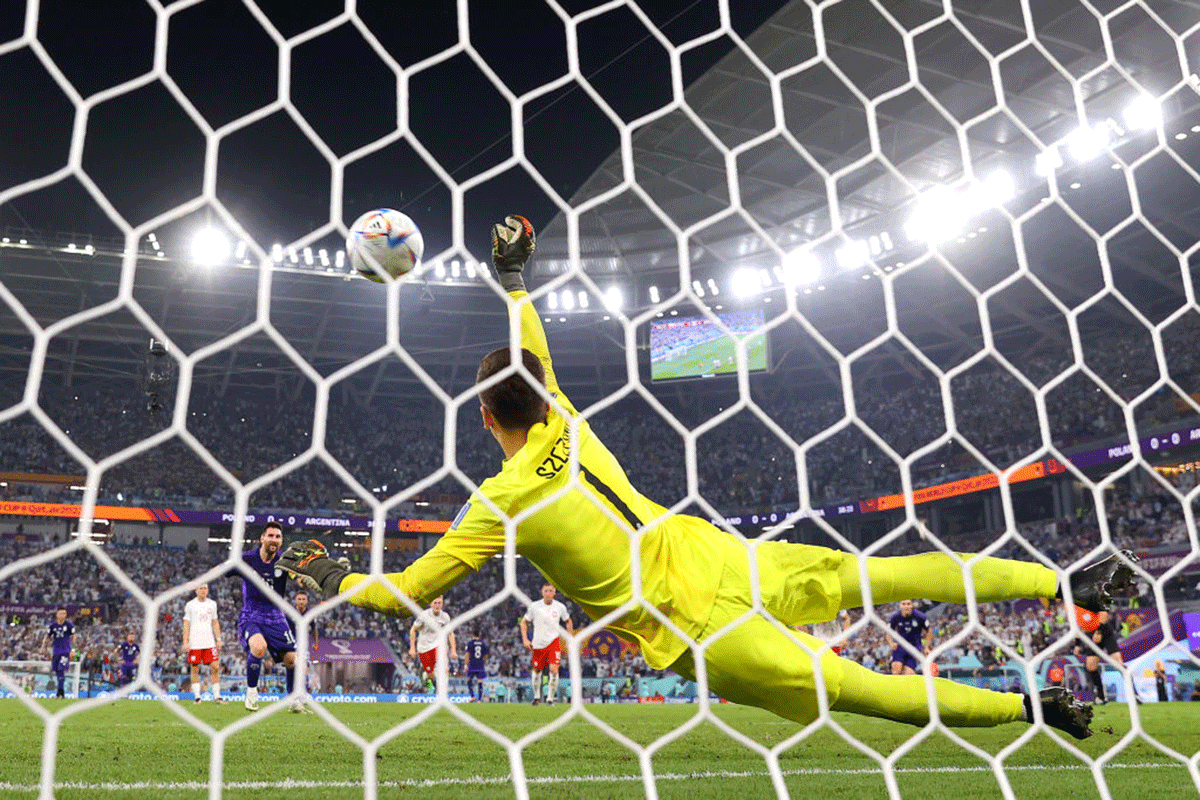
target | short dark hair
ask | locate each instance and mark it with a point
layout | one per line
(514, 402)
(272, 524)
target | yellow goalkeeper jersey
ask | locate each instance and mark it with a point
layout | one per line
(582, 535)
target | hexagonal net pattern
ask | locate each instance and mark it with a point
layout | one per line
(980, 135)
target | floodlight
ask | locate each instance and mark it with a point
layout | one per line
(999, 187)
(1047, 161)
(745, 282)
(1087, 143)
(800, 267)
(853, 254)
(614, 299)
(209, 246)
(1143, 113)
(939, 214)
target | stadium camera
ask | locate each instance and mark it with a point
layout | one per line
(159, 369)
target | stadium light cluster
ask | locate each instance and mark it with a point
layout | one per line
(937, 215)
(942, 213)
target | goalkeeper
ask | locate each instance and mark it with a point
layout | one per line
(585, 532)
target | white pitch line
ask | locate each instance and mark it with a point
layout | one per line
(481, 780)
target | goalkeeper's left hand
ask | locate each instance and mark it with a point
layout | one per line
(309, 563)
(513, 242)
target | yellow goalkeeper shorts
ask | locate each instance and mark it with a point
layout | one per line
(755, 662)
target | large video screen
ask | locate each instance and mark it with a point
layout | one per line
(694, 347)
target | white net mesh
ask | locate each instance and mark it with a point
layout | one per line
(969, 230)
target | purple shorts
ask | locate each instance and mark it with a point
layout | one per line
(906, 658)
(279, 636)
(60, 662)
(477, 673)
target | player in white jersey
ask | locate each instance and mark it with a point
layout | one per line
(546, 616)
(833, 631)
(423, 637)
(202, 641)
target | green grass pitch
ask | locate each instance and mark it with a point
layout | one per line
(699, 359)
(139, 749)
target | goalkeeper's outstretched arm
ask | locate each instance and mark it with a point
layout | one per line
(481, 534)
(429, 576)
(513, 242)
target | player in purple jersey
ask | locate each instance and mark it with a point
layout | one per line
(128, 650)
(300, 601)
(262, 625)
(912, 627)
(59, 635)
(477, 651)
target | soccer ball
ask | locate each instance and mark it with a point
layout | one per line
(384, 240)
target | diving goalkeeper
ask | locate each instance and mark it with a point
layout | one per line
(583, 532)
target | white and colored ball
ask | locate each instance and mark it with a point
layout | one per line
(384, 239)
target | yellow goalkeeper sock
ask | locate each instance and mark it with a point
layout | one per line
(902, 698)
(937, 577)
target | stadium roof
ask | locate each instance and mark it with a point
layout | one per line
(823, 149)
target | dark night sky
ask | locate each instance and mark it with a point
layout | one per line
(147, 154)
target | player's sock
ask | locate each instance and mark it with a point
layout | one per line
(290, 679)
(552, 688)
(1098, 685)
(216, 690)
(62, 678)
(253, 669)
(536, 680)
(936, 576)
(902, 698)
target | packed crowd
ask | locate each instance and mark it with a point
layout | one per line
(77, 578)
(743, 465)
(1138, 519)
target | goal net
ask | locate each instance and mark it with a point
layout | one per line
(889, 277)
(37, 679)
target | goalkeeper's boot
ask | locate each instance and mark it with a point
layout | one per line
(1061, 710)
(1093, 587)
(252, 698)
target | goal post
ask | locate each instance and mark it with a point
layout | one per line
(37, 679)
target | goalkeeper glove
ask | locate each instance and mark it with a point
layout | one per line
(513, 242)
(309, 563)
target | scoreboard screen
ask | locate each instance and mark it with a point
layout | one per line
(695, 347)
